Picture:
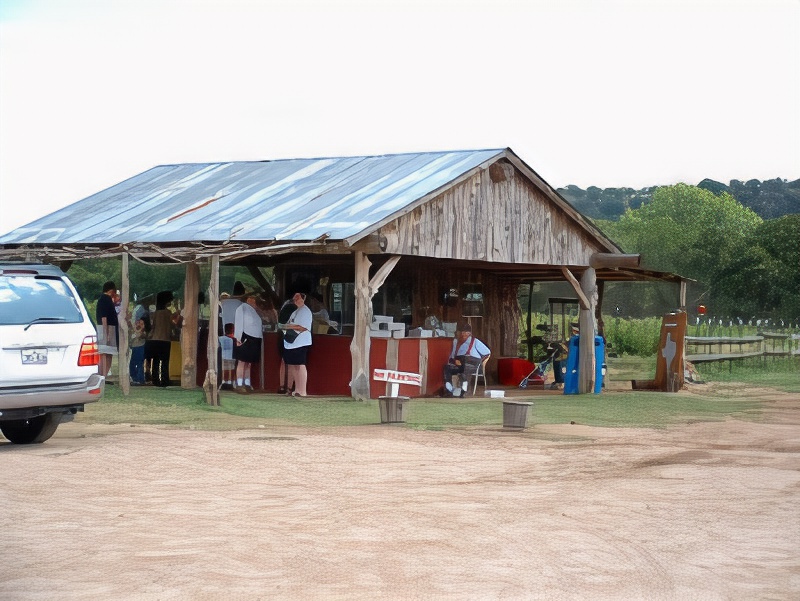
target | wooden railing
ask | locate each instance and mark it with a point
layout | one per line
(765, 344)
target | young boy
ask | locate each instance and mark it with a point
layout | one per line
(226, 343)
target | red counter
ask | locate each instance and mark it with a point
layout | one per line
(408, 359)
(330, 364)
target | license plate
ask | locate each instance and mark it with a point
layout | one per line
(36, 356)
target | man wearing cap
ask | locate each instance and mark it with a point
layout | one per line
(467, 354)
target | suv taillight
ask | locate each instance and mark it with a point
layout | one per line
(89, 354)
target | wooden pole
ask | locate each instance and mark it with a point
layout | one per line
(360, 345)
(530, 310)
(366, 288)
(122, 356)
(210, 384)
(189, 329)
(598, 311)
(588, 326)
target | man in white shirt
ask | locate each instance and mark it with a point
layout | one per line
(248, 333)
(467, 354)
(228, 304)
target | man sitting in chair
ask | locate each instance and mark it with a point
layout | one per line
(467, 354)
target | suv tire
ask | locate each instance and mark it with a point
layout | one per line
(33, 430)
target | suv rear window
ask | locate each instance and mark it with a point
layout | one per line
(25, 299)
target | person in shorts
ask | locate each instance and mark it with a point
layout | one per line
(296, 344)
(107, 328)
(249, 340)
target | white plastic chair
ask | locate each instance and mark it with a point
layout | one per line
(480, 373)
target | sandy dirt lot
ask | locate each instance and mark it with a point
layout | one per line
(699, 511)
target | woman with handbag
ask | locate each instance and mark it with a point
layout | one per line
(296, 343)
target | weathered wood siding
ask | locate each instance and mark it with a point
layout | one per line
(499, 325)
(497, 215)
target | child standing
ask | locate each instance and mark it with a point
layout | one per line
(226, 344)
(136, 364)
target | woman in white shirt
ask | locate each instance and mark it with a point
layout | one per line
(295, 353)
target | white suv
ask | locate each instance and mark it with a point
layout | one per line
(48, 352)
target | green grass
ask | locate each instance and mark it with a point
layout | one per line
(640, 409)
(631, 367)
(644, 409)
(188, 409)
(782, 373)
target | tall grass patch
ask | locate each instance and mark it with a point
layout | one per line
(638, 337)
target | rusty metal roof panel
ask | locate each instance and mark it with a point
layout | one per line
(293, 199)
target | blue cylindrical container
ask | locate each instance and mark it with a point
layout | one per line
(573, 365)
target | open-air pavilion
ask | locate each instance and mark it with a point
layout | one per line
(453, 234)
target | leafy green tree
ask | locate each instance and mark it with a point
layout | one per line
(687, 230)
(744, 283)
(780, 242)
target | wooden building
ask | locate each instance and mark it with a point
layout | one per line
(448, 234)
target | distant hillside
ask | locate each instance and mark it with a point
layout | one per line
(770, 199)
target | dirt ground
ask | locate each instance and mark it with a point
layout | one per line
(697, 511)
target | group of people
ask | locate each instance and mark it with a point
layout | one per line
(242, 319)
(150, 336)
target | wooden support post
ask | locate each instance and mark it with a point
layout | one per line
(122, 356)
(190, 328)
(598, 310)
(365, 289)
(588, 326)
(359, 347)
(210, 384)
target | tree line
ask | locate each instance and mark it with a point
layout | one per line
(768, 199)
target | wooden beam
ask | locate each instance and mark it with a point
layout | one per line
(265, 285)
(614, 260)
(584, 302)
(210, 384)
(380, 276)
(190, 327)
(373, 244)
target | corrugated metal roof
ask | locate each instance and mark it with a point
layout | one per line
(295, 199)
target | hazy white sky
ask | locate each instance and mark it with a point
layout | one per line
(613, 93)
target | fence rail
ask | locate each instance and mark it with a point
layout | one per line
(765, 344)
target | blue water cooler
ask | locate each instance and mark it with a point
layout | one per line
(573, 365)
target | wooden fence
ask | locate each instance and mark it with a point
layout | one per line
(765, 344)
